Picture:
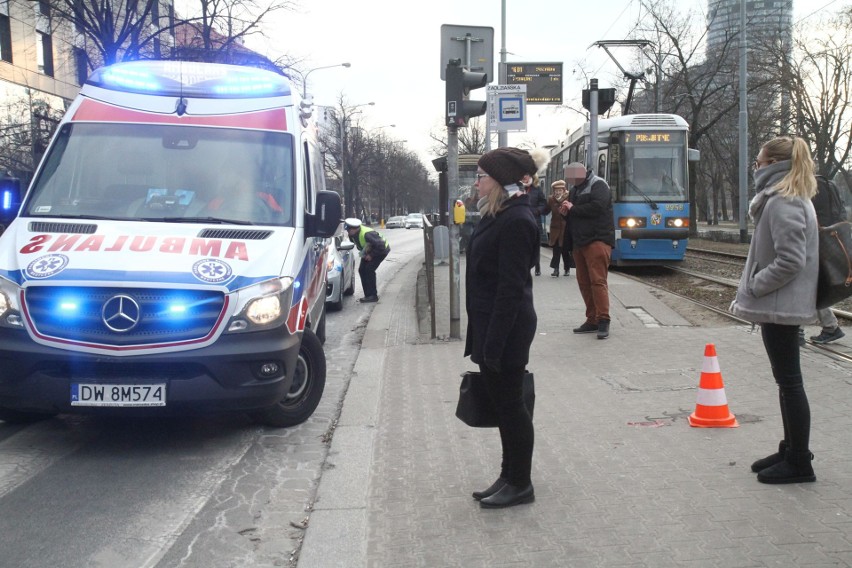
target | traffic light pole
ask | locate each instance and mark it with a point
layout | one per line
(455, 278)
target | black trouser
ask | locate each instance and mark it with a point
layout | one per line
(565, 254)
(516, 428)
(367, 271)
(782, 346)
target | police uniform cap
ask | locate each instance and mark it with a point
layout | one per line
(351, 223)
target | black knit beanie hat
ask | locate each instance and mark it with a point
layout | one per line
(508, 165)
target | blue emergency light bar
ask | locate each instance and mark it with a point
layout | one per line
(190, 79)
(6, 201)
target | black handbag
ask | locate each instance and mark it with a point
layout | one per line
(835, 264)
(475, 407)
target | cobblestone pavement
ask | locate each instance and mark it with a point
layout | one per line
(621, 479)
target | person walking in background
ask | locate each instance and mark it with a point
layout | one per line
(560, 238)
(373, 248)
(501, 317)
(829, 210)
(589, 213)
(778, 291)
(538, 206)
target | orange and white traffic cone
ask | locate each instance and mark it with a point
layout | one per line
(711, 410)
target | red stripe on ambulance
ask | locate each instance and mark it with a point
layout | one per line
(96, 111)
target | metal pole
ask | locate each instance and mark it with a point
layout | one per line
(343, 163)
(743, 126)
(453, 184)
(502, 135)
(592, 148)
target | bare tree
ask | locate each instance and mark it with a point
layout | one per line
(820, 75)
(471, 138)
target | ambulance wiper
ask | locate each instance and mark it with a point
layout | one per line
(216, 220)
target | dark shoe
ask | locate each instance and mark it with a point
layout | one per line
(603, 329)
(538, 272)
(801, 337)
(555, 273)
(567, 272)
(796, 468)
(769, 461)
(495, 487)
(586, 328)
(509, 496)
(828, 335)
(369, 299)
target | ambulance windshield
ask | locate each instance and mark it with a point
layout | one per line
(167, 173)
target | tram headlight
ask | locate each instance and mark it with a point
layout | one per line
(631, 222)
(677, 222)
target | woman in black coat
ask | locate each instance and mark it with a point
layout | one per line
(501, 317)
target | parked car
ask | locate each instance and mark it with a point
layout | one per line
(414, 220)
(341, 271)
(397, 222)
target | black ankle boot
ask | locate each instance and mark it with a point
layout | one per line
(495, 487)
(509, 496)
(555, 272)
(769, 461)
(796, 468)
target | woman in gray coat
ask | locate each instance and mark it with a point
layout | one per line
(778, 291)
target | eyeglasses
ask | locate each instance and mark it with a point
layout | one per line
(758, 164)
(480, 176)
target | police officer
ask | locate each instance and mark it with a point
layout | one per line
(373, 248)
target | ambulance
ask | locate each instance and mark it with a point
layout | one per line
(169, 256)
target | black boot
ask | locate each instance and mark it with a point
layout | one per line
(509, 496)
(796, 468)
(495, 487)
(555, 272)
(769, 461)
(603, 329)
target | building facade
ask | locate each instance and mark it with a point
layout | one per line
(767, 23)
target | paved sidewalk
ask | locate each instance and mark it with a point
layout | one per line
(621, 479)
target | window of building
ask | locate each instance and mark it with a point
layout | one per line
(5, 39)
(44, 53)
(81, 62)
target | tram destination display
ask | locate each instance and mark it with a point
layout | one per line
(543, 81)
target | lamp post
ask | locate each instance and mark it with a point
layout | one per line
(347, 203)
(305, 75)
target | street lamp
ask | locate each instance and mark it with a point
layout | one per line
(305, 75)
(343, 119)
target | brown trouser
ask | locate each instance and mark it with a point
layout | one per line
(592, 263)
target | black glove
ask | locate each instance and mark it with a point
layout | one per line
(493, 364)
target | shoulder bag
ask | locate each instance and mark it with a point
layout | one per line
(475, 407)
(835, 264)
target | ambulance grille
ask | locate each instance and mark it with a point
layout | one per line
(235, 234)
(122, 317)
(73, 228)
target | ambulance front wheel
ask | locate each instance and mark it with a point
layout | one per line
(305, 392)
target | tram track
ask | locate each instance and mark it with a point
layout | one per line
(716, 296)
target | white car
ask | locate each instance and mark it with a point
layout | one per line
(397, 222)
(341, 271)
(414, 220)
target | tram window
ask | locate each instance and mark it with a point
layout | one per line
(602, 166)
(614, 167)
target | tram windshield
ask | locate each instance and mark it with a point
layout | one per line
(652, 166)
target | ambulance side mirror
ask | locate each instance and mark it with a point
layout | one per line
(326, 219)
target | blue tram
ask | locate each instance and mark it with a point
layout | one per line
(644, 158)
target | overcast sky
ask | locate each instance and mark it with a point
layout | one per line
(394, 48)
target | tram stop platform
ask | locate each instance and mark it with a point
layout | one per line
(621, 478)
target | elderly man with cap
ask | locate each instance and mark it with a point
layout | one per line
(373, 248)
(589, 212)
(501, 318)
(560, 232)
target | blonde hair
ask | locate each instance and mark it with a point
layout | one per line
(494, 201)
(800, 180)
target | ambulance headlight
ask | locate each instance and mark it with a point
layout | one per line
(264, 310)
(262, 306)
(10, 314)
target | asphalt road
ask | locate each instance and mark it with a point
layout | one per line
(213, 491)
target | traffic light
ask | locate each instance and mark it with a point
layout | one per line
(459, 83)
